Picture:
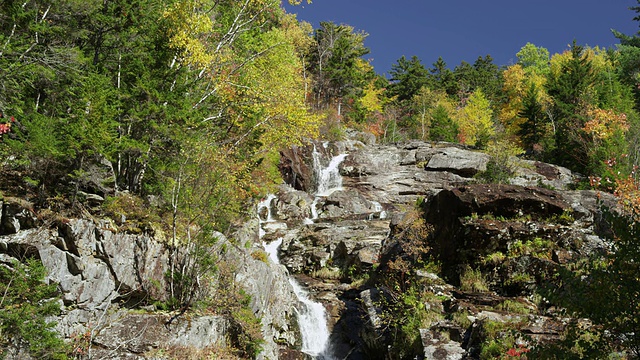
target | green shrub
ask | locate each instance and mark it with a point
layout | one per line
(473, 280)
(494, 258)
(461, 318)
(26, 304)
(514, 306)
(260, 256)
(496, 173)
(502, 165)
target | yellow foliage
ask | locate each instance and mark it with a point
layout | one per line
(516, 83)
(188, 29)
(628, 193)
(275, 85)
(558, 61)
(598, 58)
(475, 120)
(372, 98)
(514, 89)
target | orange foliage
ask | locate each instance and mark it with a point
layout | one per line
(628, 193)
(5, 128)
(604, 123)
(376, 129)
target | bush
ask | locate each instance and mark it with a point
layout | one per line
(473, 280)
(501, 167)
(605, 290)
(26, 304)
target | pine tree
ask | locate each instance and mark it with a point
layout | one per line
(570, 92)
(532, 129)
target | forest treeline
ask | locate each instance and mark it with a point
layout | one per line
(189, 100)
(578, 108)
(193, 97)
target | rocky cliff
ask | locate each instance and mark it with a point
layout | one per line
(411, 211)
(112, 286)
(512, 238)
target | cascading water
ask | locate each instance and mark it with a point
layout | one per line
(312, 317)
(377, 208)
(266, 205)
(328, 179)
(313, 323)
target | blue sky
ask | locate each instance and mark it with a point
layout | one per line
(465, 29)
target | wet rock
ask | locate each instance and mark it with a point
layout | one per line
(272, 296)
(292, 205)
(345, 203)
(294, 168)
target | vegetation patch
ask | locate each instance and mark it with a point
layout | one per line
(27, 303)
(514, 306)
(473, 280)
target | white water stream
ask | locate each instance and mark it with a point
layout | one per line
(312, 317)
(328, 179)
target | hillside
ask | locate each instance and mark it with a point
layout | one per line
(204, 179)
(410, 250)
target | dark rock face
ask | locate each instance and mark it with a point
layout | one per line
(498, 200)
(16, 215)
(294, 169)
(467, 226)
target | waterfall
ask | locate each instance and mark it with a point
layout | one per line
(328, 179)
(312, 317)
(272, 249)
(313, 322)
(265, 204)
(377, 208)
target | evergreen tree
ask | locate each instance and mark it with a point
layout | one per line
(570, 90)
(408, 76)
(441, 78)
(336, 64)
(443, 128)
(532, 129)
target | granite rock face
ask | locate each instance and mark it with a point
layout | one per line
(531, 227)
(105, 279)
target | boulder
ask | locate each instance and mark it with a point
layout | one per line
(16, 215)
(136, 335)
(292, 205)
(460, 162)
(440, 347)
(345, 204)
